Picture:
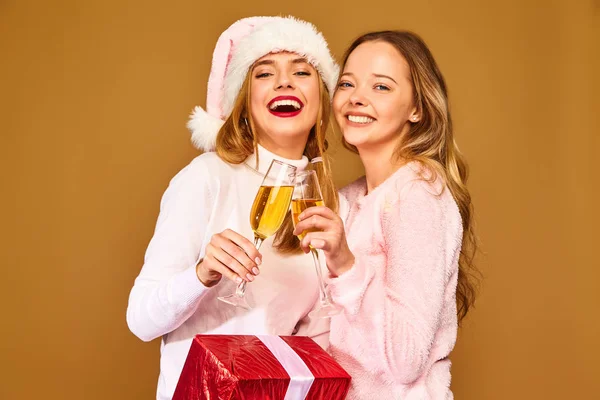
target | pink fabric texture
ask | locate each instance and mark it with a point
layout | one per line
(399, 322)
(221, 56)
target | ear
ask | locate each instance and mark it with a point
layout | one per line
(415, 116)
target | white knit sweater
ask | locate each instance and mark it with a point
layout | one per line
(167, 299)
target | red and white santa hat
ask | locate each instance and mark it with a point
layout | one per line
(237, 49)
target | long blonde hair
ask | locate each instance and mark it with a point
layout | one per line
(237, 140)
(431, 142)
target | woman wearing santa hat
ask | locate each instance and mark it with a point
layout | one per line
(268, 98)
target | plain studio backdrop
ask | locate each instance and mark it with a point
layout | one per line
(94, 98)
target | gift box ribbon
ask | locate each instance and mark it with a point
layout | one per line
(301, 379)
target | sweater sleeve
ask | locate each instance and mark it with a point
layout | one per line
(348, 289)
(416, 234)
(167, 290)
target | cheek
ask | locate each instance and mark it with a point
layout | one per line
(339, 99)
(337, 102)
(313, 99)
(393, 113)
(257, 94)
(312, 91)
(258, 105)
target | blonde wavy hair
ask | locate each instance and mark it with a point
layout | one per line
(430, 141)
(237, 140)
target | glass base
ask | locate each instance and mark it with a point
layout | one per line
(235, 300)
(325, 311)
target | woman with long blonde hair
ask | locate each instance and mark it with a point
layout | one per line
(402, 269)
(268, 99)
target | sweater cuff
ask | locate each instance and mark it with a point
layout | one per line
(348, 289)
(185, 288)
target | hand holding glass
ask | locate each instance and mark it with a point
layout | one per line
(271, 205)
(307, 193)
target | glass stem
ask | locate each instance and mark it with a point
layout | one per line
(257, 242)
(323, 293)
(240, 291)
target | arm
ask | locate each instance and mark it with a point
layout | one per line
(416, 236)
(167, 290)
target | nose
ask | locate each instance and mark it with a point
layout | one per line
(357, 99)
(283, 81)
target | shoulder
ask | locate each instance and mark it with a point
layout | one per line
(351, 191)
(203, 167)
(200, 176)
(419, 191)
(413, 181)
(209, 163)
(343, 207)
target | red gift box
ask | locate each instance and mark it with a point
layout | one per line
(239, 367)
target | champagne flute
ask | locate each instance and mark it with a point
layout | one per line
(307, 193)
(271, 205)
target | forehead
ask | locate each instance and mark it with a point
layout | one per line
(377, 58)
(282, 57)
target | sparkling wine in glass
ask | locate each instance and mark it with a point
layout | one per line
(307, 193)
(271, 205)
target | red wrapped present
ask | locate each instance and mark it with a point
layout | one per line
(237, 367)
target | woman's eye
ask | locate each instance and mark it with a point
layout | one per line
(303, 73)
(264, 75)
(381, 87)
(345, 84)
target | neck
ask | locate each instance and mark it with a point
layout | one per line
(292, 148)
(379, 165)
(262, 160)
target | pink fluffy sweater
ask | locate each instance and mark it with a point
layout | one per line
(399, 322)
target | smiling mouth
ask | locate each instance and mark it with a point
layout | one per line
(285, 106)
(359, 119)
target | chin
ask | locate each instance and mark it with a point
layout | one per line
(289, 134)
(354, 140)
(289, 128)
(286, 132)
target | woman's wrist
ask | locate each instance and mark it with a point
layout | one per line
(342, 265)
(205, 277)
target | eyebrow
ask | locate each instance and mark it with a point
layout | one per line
(299, 60)
(385, 76)
(375, 75)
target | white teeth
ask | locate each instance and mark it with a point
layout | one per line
(360, 119)
(278, 103)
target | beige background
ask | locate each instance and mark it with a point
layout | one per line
(94, 96)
